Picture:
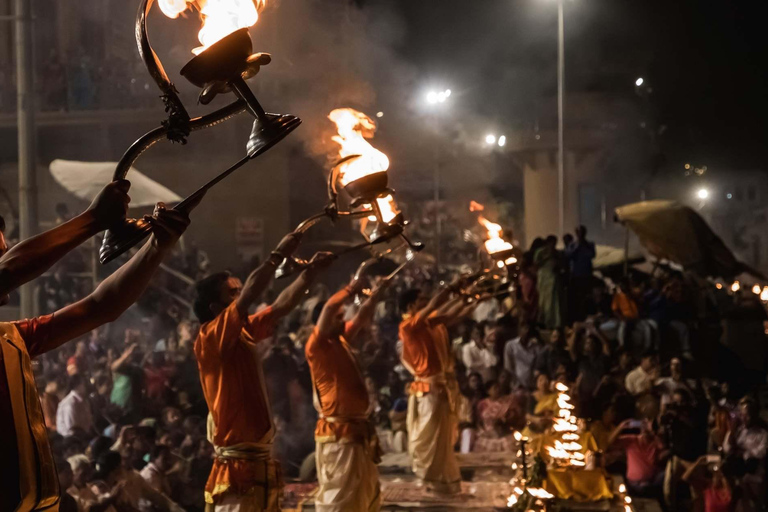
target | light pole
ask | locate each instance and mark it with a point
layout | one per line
(435, 98)
(560, 116)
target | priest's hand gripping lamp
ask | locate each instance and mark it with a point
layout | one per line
(221, 65)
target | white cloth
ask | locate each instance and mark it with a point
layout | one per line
(486, 311)
(156, 478)
(73, 412)
(520, 360)
(638, 381)
(431, 428)
(347, 477)
(480, 360)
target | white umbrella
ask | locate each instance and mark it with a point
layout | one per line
(86, 179)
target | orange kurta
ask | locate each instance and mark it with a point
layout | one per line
(341, 396)
(233, 385)
(422, 356)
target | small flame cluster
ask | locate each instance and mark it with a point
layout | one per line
(567, 451)
(761, 291)
(219, 17)
(536, 493)
(626, 500)
(495, 242)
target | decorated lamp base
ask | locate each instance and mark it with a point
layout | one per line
(119, 239)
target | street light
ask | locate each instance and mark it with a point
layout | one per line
(702, 193)
(502, 141)
(434, 97)
(639, 81)
(490, 139)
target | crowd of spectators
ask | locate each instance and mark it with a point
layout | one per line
(127, 418)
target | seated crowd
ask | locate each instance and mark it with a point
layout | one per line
(125, 409)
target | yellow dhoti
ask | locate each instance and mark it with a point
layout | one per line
(348, 478)
(431, 426)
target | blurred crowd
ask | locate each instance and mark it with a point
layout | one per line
(125, 409)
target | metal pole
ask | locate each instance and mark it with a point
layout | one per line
(560, 127)
(26, 137)
(438, 221)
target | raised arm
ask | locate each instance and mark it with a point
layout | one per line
(258, 280)
(117, 292)
(30, 258)
(333, 307)
(292, 295)
(365, 314)
(435, 302)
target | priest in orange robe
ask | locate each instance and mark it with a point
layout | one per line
(244, 476)
(432, 405)
(347, 449)
(30, 479)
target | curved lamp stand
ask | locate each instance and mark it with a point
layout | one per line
(223, 67)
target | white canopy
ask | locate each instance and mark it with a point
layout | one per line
(86, 179)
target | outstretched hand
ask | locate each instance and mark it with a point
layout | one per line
(110, 206)
(289, 244)
(167, 225)
(321, 261)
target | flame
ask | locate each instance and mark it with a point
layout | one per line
(474, 206)
(540, 493)
(388, 208)
(220, 17)
(495, 242)
(736, 286)
(353, 128)
(764, 294)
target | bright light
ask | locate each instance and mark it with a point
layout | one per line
(379, 114)
(639, 82)
(736, 286)
(764, 294)
(756, 289)
(490, 139)
(502, 141)
(703, 193)
(435, 97)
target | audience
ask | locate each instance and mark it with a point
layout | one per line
(125, 411)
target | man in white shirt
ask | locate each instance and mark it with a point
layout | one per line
(641, 379)
(520, 356)
(74, 412)
(154, 473)
(478, 357)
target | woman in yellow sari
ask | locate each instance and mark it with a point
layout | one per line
(543, 406)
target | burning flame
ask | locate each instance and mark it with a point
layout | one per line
(736, 286)
(494, 243)
(220, 17)
(353, 128)
(387, 207)
(764, 294)
(540, 493)
(474, 206)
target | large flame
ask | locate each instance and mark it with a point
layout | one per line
(220, 17)
(388, 208)
(495, 243)
(353, 128)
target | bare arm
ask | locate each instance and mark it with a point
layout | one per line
(259, 279)
(331, 310)
(30, 258)
(448, 313)
(437, 300)
(365, 313)
(292, 295)
(117, 292)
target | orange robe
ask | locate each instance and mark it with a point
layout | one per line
(29, 480)
(340, 390)
(432, 418)
(233, 385)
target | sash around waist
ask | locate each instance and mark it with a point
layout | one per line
(245, 451)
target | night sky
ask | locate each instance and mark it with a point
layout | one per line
(704, 61)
